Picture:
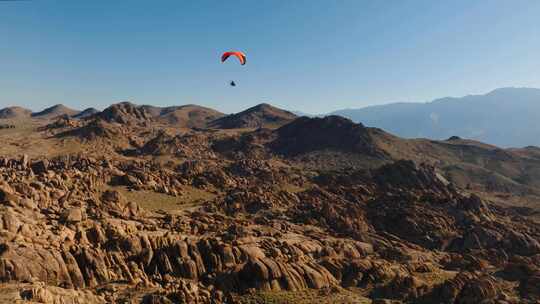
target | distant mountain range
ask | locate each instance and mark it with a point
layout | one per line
(507, 117)
(185, 116)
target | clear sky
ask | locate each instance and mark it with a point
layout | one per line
(313, 56)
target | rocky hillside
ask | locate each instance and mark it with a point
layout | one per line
(120, 207)
(191, 145)
(262, 115)
(305, 134)
(124, 113)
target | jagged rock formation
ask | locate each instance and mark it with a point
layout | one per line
(385, 230)
(188, 145)
(124, 113)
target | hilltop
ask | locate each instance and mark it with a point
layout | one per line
(55, 111)
(189, 116)
(262, 115)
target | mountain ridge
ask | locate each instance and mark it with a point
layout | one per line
(504, 117)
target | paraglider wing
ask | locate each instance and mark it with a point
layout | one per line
(241, 56)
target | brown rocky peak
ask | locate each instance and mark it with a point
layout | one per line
(263, 107)
(329, 133)
(262, 115)
(124, 113)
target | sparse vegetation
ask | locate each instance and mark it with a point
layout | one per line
(189, 197)
(304, 297)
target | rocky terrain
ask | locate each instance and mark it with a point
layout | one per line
(134, 204)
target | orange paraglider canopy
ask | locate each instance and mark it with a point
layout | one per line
(241, 56)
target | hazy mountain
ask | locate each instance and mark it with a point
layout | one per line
(14, 113)
(300, 114)
(504, 117)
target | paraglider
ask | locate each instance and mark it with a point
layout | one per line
(241, 57)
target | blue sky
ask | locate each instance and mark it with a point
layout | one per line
(313, 56)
